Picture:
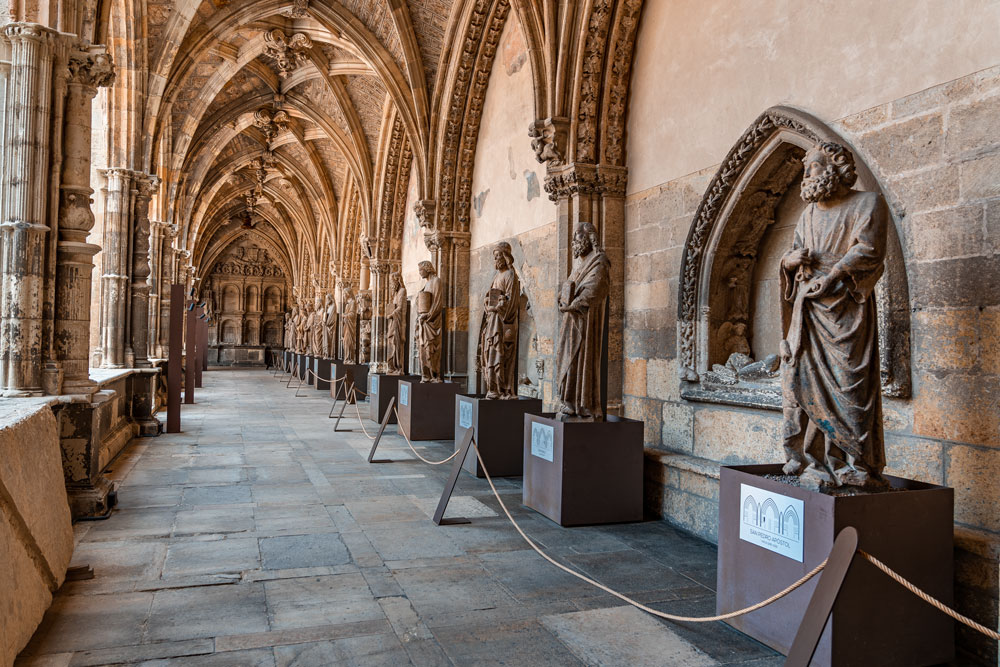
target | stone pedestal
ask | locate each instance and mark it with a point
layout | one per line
(427, 409)
(82, 425)
(300, 365)
(143, 396)
(382, 388)
(875, 621)
(323, 368)
(580, 473)
(499, 432)
(310, 366)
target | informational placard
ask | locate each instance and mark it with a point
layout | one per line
(541, 441)
(404, 394)
(374, 384)
(465, 414)
(771, 521)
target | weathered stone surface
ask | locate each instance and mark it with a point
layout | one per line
(946, 339)
(898, 147)
(36, 536)
(957, 407)
(951, 232)
(978, 178)
(731, 436)
(974, 126)
(973, 473)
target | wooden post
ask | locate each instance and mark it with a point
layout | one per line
(190, 353)
(175, 350)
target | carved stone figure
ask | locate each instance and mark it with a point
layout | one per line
(289, 331)
(499, 330)
(316, 332)
(831, 394)
(300, 329)
(349, 327)
(308, 333)
(430, 307)
(582, 301)
(396, 325)
(364, 326)
(330, 328)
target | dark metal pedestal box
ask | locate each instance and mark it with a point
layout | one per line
(427, 409)
(356, 374)
(311, 365)
(499, 429)
(323, 368)
(579, 473)
(382, 388)
(300, 366)
(875, 621)
(287, 355)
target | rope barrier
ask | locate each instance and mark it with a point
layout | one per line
(934, 602)
(362, 421)
(322, 379)
(625, 598)
(410, 444)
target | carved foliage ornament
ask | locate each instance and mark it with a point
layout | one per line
(286, 52)
(91, 69)
(584, 179)
(548, 140)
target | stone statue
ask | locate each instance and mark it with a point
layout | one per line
(300, 330)
(430, 307)
(364, 326)
(307, 330)
(582, 302)
(316, 339)
(349, 327)
(499, 329)
(330, 328)
(831, 389)
(289, 331)
(396, 325)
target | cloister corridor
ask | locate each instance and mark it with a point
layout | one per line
(258, 536)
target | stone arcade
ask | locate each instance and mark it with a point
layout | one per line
(648, 253)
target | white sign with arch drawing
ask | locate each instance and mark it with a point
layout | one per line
(772, 521)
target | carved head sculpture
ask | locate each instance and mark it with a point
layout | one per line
(503, 256)
(829, 171)
(426, 269)
(348, 295)
(585, 240)
(318, 303)
(329, 299)
(395, 281)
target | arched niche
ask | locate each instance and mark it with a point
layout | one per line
(728, 289)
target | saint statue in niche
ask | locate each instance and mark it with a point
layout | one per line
(316, 338)
(430, 306)
(831, 387)
(396, 325)
(349, 327)
(582, 302)
(330, 328)
(499, 329)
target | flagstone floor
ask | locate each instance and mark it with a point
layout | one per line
(258, 536)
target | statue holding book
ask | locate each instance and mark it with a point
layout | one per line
(499, 330)
(582, 302)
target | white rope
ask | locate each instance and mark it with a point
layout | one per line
(410, 444)
(362, 421)
(625, 598)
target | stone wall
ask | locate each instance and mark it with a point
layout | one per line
(936, 155)
(36, 534)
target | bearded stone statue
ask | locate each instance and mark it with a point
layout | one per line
(430, 310)
(349, 327)
(316, 332)
(582, 302)
(499, 330)
(396, 324)
(831, 387)
(330, 328)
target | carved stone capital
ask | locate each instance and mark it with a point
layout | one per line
(94, 69)
(75, 216)
(32, 32)
(549, 138)
(425, 209)
(586, 179)
(286, 52)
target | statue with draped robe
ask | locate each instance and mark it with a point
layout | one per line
(430, 311)
(396, 325)
(499, 329)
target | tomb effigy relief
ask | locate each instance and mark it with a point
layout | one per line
(582, 302)
(396, 325)
(349, 327)
(831, 386)
(430, 308)
(499, 329)
(330, 328)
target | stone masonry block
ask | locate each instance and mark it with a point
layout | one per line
(662, 379)
(635, 377)
(973, 472)
(915, 458)
(951, 232)
(935, 188)
(989, 341)
(957, 406)
(735, 436)
(979, 178)
(955, 283)
(902, 146)
(946, 339)
(678, 427)
(974, 126)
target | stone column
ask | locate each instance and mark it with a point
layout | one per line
(380, 296)
(87, 71)
(145, 185)
(114, 263)
(156, 231)
(23, 199)
(451, 257)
